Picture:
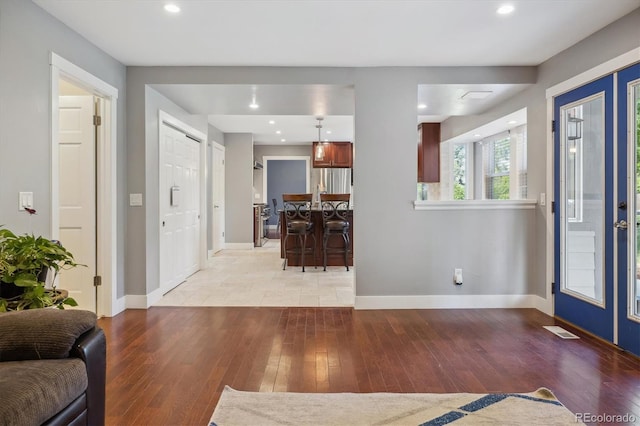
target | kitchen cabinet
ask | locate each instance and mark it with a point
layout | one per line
(333, 154)
(429, 152)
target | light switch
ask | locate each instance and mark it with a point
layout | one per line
(543, 199)
(25, 200)
(135, 200)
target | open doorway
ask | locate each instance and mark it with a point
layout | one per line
(83, 182)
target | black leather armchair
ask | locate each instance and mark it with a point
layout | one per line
(52, 368)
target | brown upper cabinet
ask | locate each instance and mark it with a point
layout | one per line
(333, 154)
(429, 152)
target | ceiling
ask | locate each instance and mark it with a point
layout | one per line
(347, 33)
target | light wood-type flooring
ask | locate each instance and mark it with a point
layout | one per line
(168, 365)
(255, 278)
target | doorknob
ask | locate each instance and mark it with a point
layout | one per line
(621, 225)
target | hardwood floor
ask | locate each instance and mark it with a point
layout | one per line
(168, 366)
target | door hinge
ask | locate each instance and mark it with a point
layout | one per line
(97, 120)
(553, 207)
(553, 288)
(553, 126)
(97, 281)
(223, 233)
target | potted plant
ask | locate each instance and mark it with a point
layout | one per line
(25, 261)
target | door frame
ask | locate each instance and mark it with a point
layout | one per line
(166, 118)
(106, 196)
(608, 67)
(265, 171)
(216, 146)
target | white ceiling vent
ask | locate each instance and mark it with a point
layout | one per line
(477, 94)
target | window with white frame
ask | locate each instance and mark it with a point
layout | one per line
(462, 171)
(497, 169)
(505, 165)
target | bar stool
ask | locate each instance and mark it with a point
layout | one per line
(297, 223)
(335, 208)
(277, 213)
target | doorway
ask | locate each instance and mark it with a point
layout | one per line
(97, 283)
(217, 197)
(596, 176)
(284, 175)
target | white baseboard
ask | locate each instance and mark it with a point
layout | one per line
(144, 301)
(119, 306)
(450, 302)
(544, 305)
(238, 246)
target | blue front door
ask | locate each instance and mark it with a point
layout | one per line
(629, 192)
(584, 196)
(597, 196)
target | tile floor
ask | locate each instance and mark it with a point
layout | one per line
(255, 278)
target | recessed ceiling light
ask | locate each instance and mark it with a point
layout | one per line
(328, 132)
(505, 9)
(283, 140)
(477, 135)
(422, 106)
(254, 105)
(278, 132)
(272, 122)
(171, 8)
(512, 122)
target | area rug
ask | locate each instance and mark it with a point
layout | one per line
(289, 408)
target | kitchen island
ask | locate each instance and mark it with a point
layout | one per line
(333, 259)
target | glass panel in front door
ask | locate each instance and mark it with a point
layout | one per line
(583, 152)
(634, 124)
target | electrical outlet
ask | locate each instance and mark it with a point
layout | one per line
(457, 276)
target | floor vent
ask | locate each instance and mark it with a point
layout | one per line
(560, 332)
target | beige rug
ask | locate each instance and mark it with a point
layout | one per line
(288, 408)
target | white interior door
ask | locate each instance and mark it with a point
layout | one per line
(179, 207)
(191, 181)
(77, 196)
(217, 197)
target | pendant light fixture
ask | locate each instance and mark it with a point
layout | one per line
(319, 154)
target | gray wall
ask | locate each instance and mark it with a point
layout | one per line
(614, 40)
(238, 188)
(143, 222)
(417, 257)
(260, 151)
(27, 36)
(385, 176)
(285, 177)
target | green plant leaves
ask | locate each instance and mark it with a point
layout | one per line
(23, 262)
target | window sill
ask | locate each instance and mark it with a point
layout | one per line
(475, 205)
